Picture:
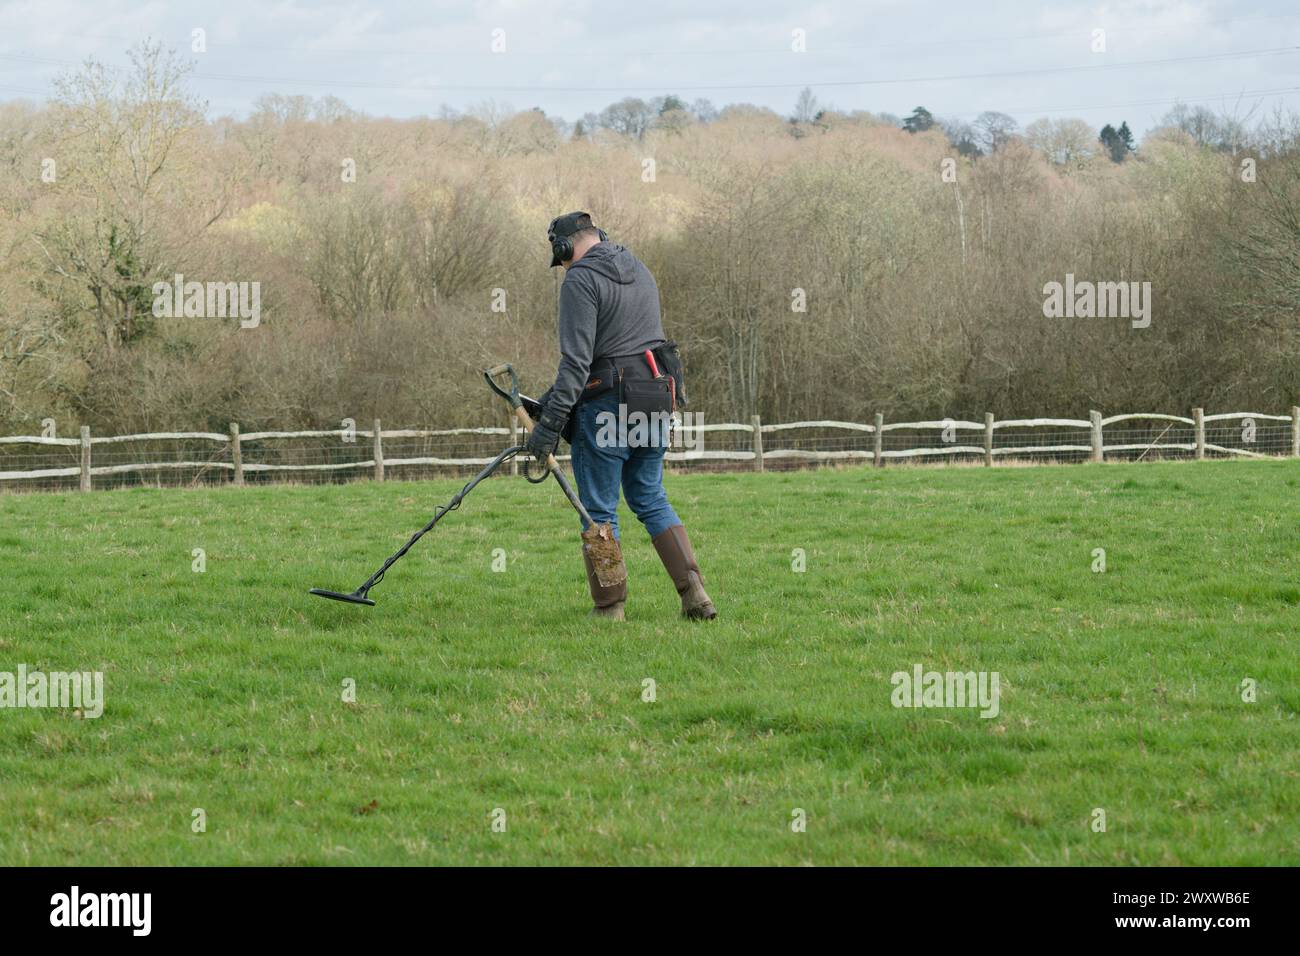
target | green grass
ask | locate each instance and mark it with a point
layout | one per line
(478, 690)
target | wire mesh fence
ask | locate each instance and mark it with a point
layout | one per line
(1041, 443)
(1249, 436)
(46, 463)
(32, 467)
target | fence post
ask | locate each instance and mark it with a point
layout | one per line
(85, 457)
(988, 439)
(1097, 447)
(1295, 431)
(379, 453)
(877, 441)
(236, 454)
(758, 442)
(1198, 416)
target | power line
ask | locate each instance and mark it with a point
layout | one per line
(1237, 94)
(884, 81)
(816, 84)
(28, 58)
(529, 88)
(1019, 111)
(23, 89)
(596, 52)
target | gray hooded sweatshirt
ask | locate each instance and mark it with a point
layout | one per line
(609, 307)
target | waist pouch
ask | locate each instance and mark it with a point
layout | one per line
(637, 389)
(670, 363)
(639, 392)
(602, 377)
(608, 372)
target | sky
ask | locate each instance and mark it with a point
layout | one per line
(569, 57)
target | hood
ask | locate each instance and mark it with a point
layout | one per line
(610, 260)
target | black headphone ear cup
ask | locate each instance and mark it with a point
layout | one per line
(563, 248)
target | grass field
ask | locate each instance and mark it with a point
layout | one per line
(478, 690)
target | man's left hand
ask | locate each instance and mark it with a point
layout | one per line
(543, 440)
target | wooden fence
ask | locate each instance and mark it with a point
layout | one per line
(761, 439)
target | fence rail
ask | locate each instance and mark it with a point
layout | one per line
(1240, 434)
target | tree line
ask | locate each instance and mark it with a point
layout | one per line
(821, 264)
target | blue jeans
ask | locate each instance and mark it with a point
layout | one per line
(602, 465)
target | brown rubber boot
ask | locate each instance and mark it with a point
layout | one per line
(608, 601)
(679, 561)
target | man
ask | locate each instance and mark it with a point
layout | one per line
(609, 320)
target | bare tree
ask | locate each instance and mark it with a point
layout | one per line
(628, 117)
(1065, 142)
(994, 130)
(128, 201)
(806, 107)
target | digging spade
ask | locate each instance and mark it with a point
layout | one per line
(598, 540)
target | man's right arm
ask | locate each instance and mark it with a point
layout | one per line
(577, 340)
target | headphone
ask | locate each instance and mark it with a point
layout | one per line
(562, 246)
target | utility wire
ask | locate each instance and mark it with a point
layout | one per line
(1275, 51)
(1033, 110)
(1014, 111)
(814, 49)
(943, 78)
(533, 88)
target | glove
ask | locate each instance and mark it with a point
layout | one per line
(544, 438)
